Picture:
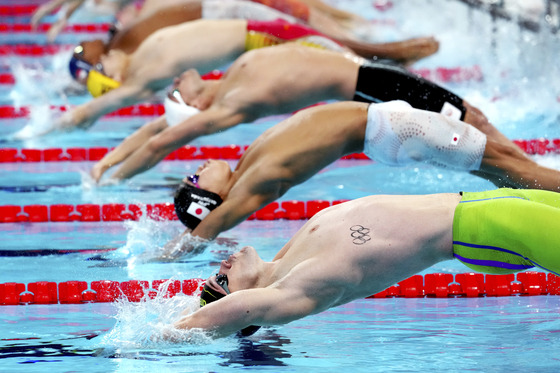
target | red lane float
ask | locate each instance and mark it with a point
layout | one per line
(44, 27)
(441, 74)
(32, 50)
(76, 292)
(188, 152)
(14, 10)
(432, 285)
(115, 212)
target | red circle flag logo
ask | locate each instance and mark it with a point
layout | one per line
(198, 210)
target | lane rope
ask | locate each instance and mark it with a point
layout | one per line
(118, 212)
(432, 285)
(539, 146)
(77, 28)
(457, 74)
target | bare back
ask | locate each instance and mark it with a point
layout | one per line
(294, 150)
(129, 38)
(359, 248)
(200, 44)
(287, 77)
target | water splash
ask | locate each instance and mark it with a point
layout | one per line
(40, 122)
(149, 323)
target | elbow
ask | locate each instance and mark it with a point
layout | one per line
(159, 146)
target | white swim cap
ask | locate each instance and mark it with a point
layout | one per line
(177, 112)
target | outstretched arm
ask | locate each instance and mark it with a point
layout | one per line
(86, 115)
(263, 307)
(128, 146)
(172, 138)
(231, 212)
(68, 7)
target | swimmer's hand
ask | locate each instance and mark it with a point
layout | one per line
(68, 7)
(226, 241)
(182, 246)
(98, 170)
(75, 118)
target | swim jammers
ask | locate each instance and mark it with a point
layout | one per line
(266, 33)
(397, 135)
(508, 230)
(382, 82)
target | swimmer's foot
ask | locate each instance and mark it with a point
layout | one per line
(406, 52)
(412, 50)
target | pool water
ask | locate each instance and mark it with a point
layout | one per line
(519, 93)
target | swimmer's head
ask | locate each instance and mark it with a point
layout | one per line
(215, 288)
(85, 56)
(192, 203)
(98, 84)
(177, 111)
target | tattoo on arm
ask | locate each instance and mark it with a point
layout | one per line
(359, 234)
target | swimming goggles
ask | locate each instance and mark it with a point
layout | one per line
(222, 280)
(194, 179)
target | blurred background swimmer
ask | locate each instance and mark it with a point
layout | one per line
(121, 79)
(331, 21)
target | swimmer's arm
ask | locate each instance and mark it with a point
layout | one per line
(261, 307)
(85, 115)
(233, 211)
(131, 144)
(69, 7)
(159, 146)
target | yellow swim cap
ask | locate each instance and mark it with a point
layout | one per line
(99, 84)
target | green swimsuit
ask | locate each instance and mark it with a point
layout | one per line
(508, 230)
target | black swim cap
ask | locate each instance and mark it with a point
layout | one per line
(193, 204)
(210, 295)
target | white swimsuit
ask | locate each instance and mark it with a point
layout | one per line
(398, 134)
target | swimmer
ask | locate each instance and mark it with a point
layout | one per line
(272, 81)
(121, 80)
(66, 8)
(331, 21)
(359, 248)
(216, 198)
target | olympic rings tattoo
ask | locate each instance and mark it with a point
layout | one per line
(360, 234)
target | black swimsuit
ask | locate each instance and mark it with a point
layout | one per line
(385, 81)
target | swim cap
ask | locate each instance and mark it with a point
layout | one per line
(99, 84)
(79, 69)
(194, 204)
(210, 295)
(177, 112)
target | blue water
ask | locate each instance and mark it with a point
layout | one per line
(519, 94)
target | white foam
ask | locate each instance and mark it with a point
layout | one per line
(149, 323)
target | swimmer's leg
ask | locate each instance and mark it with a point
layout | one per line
(506, 230)
(505, 166)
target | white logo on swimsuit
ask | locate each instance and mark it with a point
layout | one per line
(197, 210)
(450, 111)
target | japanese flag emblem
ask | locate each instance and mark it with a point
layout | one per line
(455, 139)
(198, 210)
